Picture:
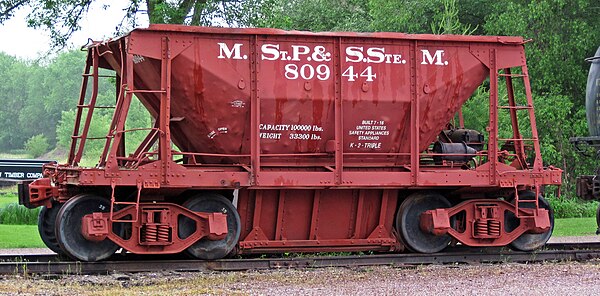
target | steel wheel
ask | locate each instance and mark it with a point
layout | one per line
(47, 227)
(530, 241)
(408, 222)
(68, 229)
(205, 248)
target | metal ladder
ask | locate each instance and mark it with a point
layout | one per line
(78, 138)
(114, 202)
(518, 139)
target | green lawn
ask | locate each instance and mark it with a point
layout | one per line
(8, 195)
(4, 201)
(20, 236)
(575, 227)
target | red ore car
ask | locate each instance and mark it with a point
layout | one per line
(271, 141)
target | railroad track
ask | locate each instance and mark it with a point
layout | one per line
(52, 264)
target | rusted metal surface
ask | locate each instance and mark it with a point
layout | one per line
(317, 220)
(322, 134)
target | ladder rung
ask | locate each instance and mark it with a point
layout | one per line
(125, 202)
(88, 138)
(103, 76)
(515, 107)
(146, 91)
(521, 140)
(97, 107)
(511, 75)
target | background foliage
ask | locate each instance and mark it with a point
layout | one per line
(563, 33)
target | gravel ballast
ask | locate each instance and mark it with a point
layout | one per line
(567, 278)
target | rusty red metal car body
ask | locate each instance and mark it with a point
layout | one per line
(296, 141)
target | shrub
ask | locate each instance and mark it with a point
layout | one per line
(16, 214)
(37, 145)
(565, 207)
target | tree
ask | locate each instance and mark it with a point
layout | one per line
(37, 145)
(13, 95)
(62, 17)
(563, 33)
(314, 15)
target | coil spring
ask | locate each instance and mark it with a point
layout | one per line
(494, 227)
(151, 234)
(163, 233)
(481, 228)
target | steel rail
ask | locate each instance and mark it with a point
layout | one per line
(50, 264)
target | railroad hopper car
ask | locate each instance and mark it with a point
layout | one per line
(267, 141)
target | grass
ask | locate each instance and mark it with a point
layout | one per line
(8, 195)
(20, 154)
(569, 207)
(5, 200)
(13, 213)
(16, 214)
(575, 227)
(20, 236)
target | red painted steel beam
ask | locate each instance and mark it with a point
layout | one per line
(484, 222)
(157, 230)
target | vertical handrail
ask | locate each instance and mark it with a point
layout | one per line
(254, 115)
(537, 162)
(493, 121)
(91, 106)
(75, 157)
(519, 145)
(126, 80)
(338, 115)
(165, 110)
(117, 126)
(414, 116)
(75, 135)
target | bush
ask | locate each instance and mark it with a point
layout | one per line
(37, 145)
(16, 214)
(565, 207)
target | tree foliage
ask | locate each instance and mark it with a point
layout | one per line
(314, 15)
(62, 18)
(37, 145)
(563, 33)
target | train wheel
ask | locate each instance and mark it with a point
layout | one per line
(47, 227)
(211, 249)
(530, 241)
(68, 229)
(408, 222)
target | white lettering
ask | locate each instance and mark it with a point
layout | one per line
(272, 136)
(298, 50)
(354, 54)
(376, 52)
(234, 53)
(320, 54)
(428, 59)
(270, 52)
